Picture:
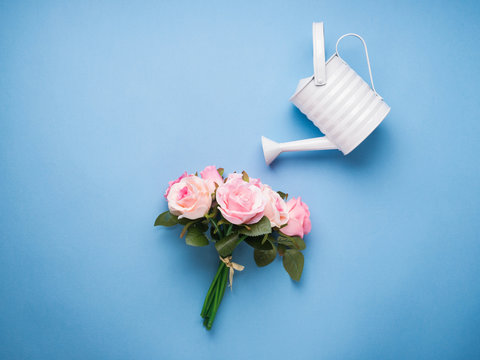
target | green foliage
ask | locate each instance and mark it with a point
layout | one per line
(202, 225)
(260, 228)
(184, 221)
(257, 242)
(221, 171)
(295, 242)
(185, 228)
(166, 219)
(226, 245)
(213, 213)
(282, 195)
(264, 257)
(196, 237)
(264, 251)
(293, 263)
(214, 234)
(245, 176)
(222, 222)
(265, 238)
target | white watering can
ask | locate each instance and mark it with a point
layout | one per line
(337, 100)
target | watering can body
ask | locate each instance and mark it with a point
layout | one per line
(339, 102)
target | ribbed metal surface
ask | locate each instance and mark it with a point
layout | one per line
(345, 109)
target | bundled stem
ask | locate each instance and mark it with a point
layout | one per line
(214, 295)
(217, 288)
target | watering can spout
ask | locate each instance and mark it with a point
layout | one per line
(272, 149)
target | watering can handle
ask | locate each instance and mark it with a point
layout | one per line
(319, 77)
(366, 53)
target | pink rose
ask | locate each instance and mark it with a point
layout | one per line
(275, 207)
(170, 183)
(211, 175)
(189, 198)
(256, 182)
(299, 223)
(240, 202)
(234, 176)
(252, 181)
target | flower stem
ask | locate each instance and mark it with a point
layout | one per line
(210, 293)
(216, 226)
(218, 297)
(229, 229)
(217, 288)
(214, 296)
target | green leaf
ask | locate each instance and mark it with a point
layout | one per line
(257, 243)
(184, 221)
(265, 238)
(195, 237)
(245, 176)
(260, 228)
(213, 213)
(281, 249)
(299, 243)
(166, 219)
(226, 245)
(293, 263)
(185, 228)
(203, 225)
(282, 195)
(214, 235)
(221, 171)
(264, 257)
(223, 221)
(284, 241)
(292, 241)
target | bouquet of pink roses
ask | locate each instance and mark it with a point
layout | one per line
(234, 210)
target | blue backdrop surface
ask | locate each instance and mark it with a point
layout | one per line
(102, 103)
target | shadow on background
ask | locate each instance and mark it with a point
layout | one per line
(371, 152)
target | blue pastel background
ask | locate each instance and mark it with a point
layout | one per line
(103, 102)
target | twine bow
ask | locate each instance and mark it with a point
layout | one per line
(233, 266)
